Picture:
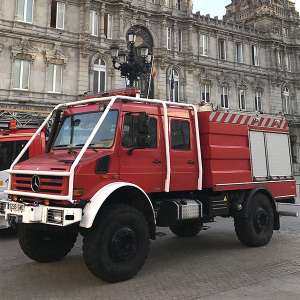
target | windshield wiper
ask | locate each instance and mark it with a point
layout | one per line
(61, 146)
(81, 145)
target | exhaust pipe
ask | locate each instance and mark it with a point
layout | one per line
(283, 213)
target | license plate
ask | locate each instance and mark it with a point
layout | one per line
(16, 208)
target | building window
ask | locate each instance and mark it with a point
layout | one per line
(222, 49)
(21, 74)
(108, 27)
(93, 23)
(258, 101)
(279, 57)
(180, 41)
(255, 59)
(286, 100)
(178, 4)
(224, 97)
(242, 99)
(205, 92)
(25, 10)
(57, 15)
(203, 44)
(174, 86)
(99, 76)
(288, 62)
(169, 38)
(239, 53)
(55, 78)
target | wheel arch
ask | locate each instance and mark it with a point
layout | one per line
(119, 192)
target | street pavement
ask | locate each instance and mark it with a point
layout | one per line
(213, 265)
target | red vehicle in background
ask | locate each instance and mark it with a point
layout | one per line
(117, 167)
(13, 138)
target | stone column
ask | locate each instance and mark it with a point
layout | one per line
(83, 74)
(164, 33)
(122, 36)
(102, 15)
(190, 42)
(86, 19)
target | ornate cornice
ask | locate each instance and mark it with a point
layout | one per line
(23, 49)
(55, 55)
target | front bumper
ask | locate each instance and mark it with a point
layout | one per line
(41, 214)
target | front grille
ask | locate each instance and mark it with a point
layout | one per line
(48, 184)
(2, 208)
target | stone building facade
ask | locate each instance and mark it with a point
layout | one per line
(52, 51)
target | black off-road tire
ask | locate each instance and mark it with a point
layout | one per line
(254, 228)
(46, 246)
(188, 228)
(117, 246)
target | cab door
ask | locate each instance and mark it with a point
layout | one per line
(141, 166)
(184, 164)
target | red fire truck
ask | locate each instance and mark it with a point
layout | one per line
(14, 135)
(117, 167)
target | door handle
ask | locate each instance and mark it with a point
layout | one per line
(156, 162)
(190, 162)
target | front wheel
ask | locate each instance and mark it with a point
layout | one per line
(46, 246)
(118, 245)
(255, 227)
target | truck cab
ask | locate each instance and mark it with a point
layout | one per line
(12, 140)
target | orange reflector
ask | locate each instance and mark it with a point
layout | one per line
(78, 192)
(13, 125)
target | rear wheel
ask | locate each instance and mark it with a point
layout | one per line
(187, 228)
(117, 247)
(44, 246)
(255, 227)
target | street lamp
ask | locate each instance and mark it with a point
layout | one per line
(114, 52)
(134, 64)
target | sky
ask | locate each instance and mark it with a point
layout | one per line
(217, 7)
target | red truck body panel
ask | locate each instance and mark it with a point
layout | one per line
(226, 151)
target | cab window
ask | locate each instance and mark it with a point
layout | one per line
(180, 135)
(9, 151)
(130, 132)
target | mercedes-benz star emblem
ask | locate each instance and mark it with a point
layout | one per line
(35, 183)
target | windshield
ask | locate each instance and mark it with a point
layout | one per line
(76, 129)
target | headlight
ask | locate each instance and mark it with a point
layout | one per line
(55, 216)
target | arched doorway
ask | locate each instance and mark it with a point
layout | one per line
(143, 37)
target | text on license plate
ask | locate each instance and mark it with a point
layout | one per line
(16, 207)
